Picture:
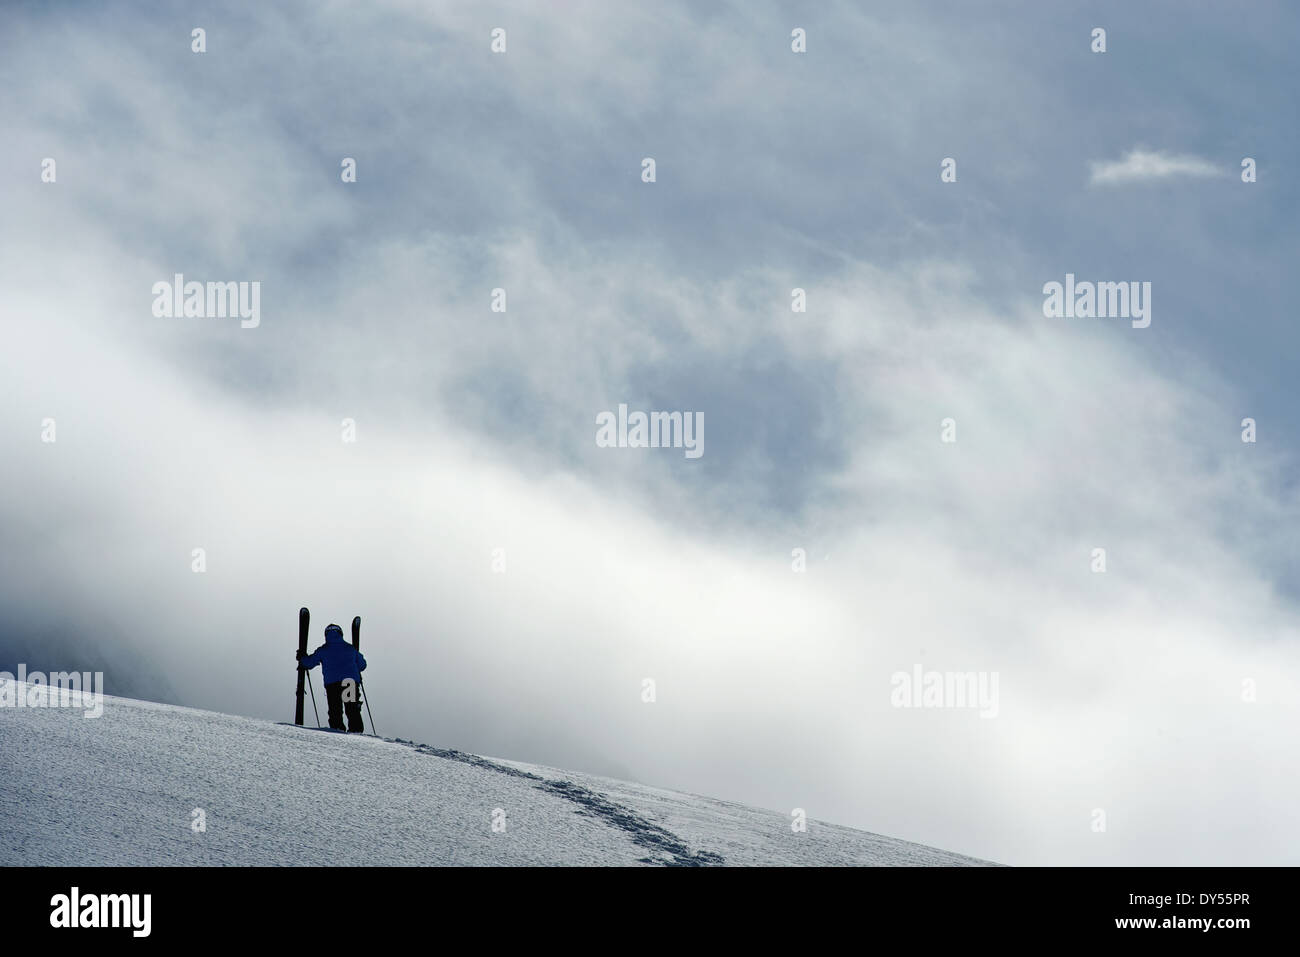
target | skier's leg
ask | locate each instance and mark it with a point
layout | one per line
(355, 724)
(352, 704)
(334, 696)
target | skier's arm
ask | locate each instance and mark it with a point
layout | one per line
(310, 661)
(361, 662)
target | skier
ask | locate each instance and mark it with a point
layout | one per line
(341, 665)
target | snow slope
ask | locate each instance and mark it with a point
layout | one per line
(122, 789)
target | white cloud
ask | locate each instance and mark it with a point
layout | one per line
(1116, 689)
(1140, 165)
(1119, 690)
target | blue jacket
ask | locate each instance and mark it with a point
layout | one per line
(338, 660)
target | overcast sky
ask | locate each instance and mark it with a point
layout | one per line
(475, 430)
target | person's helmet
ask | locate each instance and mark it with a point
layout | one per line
(333, 630)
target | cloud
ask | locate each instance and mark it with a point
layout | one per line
(1119, 691)
(965, 557)
(1142, 165)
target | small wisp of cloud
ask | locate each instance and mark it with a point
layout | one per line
(1145, 165)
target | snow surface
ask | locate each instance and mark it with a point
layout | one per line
(121, 789)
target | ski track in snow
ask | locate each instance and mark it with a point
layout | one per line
(120, 790)
(643, 832)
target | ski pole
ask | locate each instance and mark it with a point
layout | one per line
(311, 687)
(366, 698)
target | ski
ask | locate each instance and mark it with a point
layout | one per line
(365, 698)
(304, 622)
(356, 645)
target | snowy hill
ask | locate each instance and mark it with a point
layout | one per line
(123, 789)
